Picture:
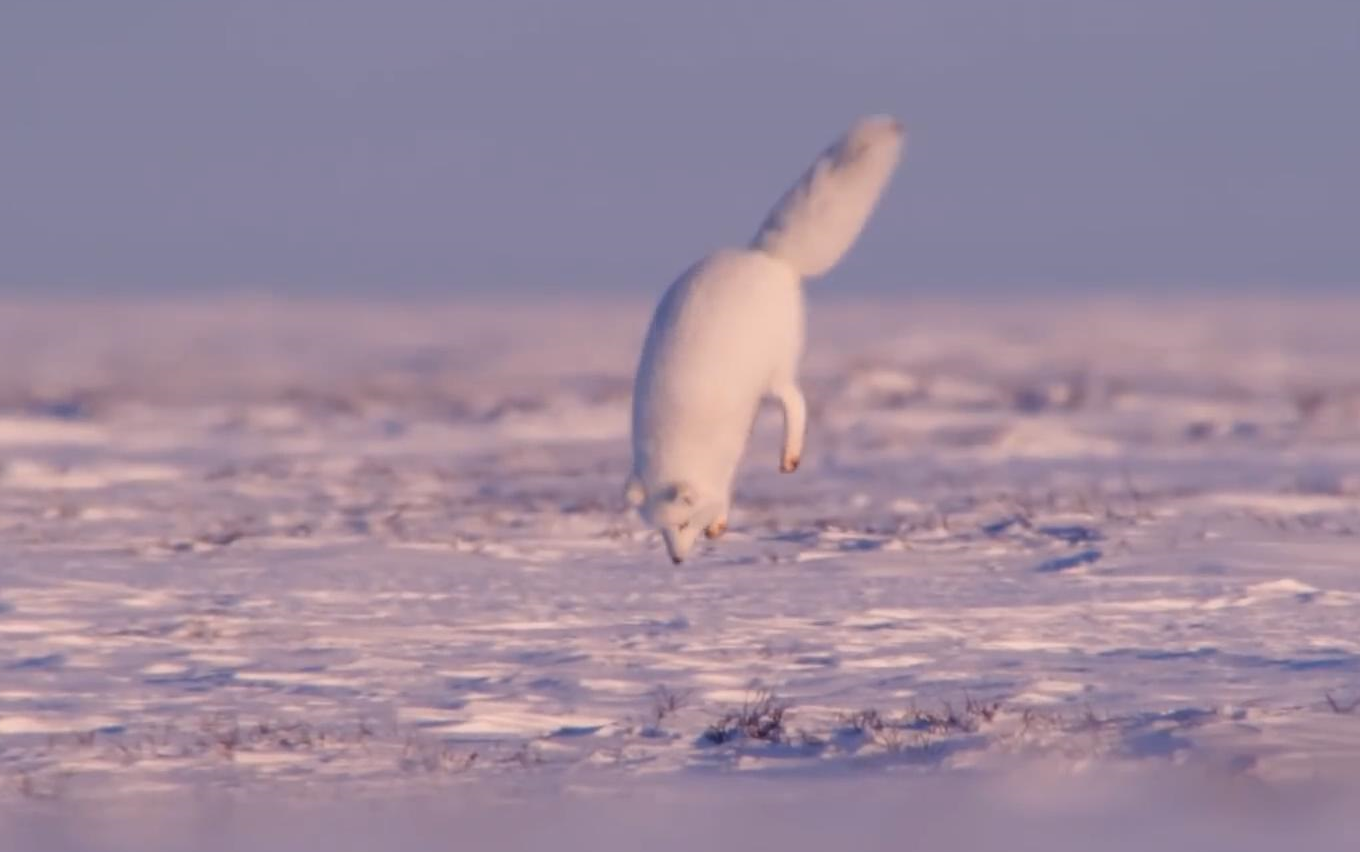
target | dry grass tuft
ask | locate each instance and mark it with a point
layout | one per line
(760, 718)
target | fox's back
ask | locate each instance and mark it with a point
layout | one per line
(715, 342)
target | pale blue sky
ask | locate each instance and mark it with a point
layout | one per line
(462, 146)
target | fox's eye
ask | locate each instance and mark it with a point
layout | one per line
(683, 526)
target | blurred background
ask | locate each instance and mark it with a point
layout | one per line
(496, 147)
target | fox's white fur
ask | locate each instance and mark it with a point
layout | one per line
(729, 333)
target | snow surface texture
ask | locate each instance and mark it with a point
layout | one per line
(297, 549)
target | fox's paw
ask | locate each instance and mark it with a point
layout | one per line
(716, 528)
(789, 464)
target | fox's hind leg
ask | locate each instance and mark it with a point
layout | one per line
(795, 424)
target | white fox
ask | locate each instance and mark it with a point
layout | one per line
(729, 332)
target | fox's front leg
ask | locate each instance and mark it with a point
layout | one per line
(795, 424)
(717, 520)
(634, 494)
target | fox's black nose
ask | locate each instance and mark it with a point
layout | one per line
(676, 560)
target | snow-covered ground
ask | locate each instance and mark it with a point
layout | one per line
(334, 552)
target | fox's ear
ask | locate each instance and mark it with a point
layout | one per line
(633, 492)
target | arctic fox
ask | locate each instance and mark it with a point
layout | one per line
(729, 332)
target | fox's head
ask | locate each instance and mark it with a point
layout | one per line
(679, 512)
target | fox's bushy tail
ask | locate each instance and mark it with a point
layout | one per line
(819, 218)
